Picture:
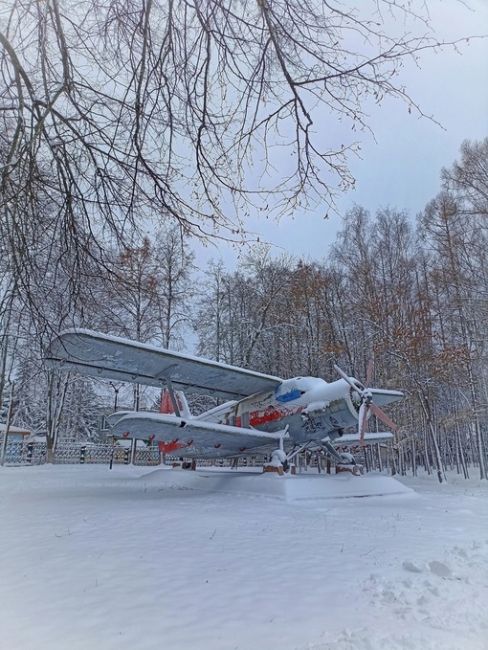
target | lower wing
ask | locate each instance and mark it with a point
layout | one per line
(193, 438)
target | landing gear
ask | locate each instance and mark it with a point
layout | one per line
(278, 463)
(349, 464)
(344, 462)
(279, 460)
(282, 462)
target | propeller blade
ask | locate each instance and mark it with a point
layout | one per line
(362, 424)
(366, 402)
(381, 415)
(369, 371)
(346, 378)
(341, 372)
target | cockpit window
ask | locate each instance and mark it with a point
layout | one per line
(291, 394)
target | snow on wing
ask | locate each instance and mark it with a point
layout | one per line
(193, 437)
(111, 357)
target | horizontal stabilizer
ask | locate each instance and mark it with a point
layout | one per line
(369, 438)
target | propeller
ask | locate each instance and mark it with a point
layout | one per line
(367, 403)
(369, 371)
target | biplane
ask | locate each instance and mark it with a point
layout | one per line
(260, 414)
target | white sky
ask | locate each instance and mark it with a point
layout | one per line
(402, 168)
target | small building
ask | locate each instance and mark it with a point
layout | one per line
(15, 434)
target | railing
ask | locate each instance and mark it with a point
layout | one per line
(35, 453)
(16, 453)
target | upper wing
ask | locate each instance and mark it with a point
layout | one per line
(111, 357)
(193, 437)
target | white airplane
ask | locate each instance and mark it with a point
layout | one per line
(262, 415)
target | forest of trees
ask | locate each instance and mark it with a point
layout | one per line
(411, 294)
(127, 127)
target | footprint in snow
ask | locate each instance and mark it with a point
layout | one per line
(461, 552)
(431, 588)
(440, 569)
(410, 566)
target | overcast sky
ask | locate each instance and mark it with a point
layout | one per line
(402, 168)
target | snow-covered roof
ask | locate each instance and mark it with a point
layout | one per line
(18, 430)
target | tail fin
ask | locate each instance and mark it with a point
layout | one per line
(166, 404)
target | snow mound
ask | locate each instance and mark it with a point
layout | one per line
(289, 488)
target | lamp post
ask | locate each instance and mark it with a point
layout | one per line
(116, 396)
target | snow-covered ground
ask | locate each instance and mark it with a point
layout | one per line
(135, 559)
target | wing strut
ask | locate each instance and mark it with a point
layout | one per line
(172, 395)
(331, 450)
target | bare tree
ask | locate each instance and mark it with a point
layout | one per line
(447, 229)
(113, 111)
(175, 285)
(468, 177)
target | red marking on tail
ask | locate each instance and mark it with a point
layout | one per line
(166, 405)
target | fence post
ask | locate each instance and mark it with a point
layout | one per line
(7, 425)
(82, 454)
(127, 456)
(112, 453)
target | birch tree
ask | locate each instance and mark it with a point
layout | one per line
(448, 228)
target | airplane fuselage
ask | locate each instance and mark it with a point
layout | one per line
(309, 407)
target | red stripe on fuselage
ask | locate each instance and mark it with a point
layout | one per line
(271, 414)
